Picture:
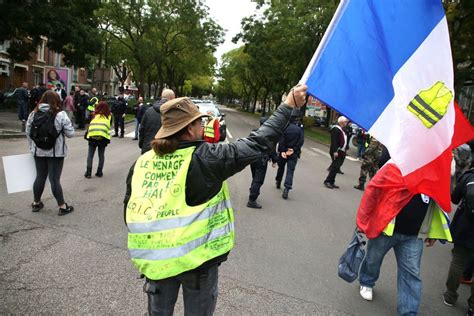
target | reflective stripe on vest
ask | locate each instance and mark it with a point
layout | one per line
(92, 104)
(431, 105)
(439, 228)
(209, 129)
(99, 126)
(176, 252)
(170, 223)
(166, 236)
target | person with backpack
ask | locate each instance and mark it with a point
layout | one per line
(98, 135)
(46, 129)
(462, 230)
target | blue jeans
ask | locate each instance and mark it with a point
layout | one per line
(408, 251)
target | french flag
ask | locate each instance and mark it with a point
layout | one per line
(387, 66)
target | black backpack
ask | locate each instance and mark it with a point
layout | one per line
(43, 132)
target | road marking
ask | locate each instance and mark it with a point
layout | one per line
(352, 159)
(229, 134)
(309, 152)
(320, 151)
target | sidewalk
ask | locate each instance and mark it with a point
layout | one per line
(10, 126)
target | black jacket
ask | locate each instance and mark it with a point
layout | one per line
(462, 226)
(149, 126)
(337, 142)
(212, 164)
(119, 107)
(293, 137)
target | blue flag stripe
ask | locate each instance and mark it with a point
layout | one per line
(368, 45)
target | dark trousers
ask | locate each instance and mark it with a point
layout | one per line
(22, 111)
(80, 118)
(51, 167)
(199, 293)
(460, 257)
(90, 155)
(119, 122)
(467, 274)
(334, 168)
(291, 165)
(259, 170)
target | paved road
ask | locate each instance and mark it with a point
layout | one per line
(284, 261)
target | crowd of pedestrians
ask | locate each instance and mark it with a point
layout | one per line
(171, 129)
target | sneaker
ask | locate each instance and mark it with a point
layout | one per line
(447, 303)
(285, 193)
(334, 186)
(366, 293)
(278, 184)
(67, 210)
(36, 207)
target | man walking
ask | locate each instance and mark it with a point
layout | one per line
(177, 206)
(151, 121)
(119, 108)
(22, 98)
(259, 170)
(462, 229)
(369, 163)
(289, 151)
(337, 151)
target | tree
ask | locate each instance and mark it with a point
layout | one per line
(69, 26)
(280, 43)
(460, 16)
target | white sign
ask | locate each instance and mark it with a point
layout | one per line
(20, 172)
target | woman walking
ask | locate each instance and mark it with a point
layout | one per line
(46, 127)
(98, 135)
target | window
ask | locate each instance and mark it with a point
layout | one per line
(40, 52)
(57, 59)
(38, 77)
(74, 75)
(4, 45)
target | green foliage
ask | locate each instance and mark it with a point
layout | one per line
(460, 16)
(70, 26)
(163, 42)
(279, 44)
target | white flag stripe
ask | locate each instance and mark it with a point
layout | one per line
(400, 130)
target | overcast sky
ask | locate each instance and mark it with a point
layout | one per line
(228, 14)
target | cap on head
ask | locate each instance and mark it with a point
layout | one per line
(176, 114)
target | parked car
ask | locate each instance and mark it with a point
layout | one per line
(319, 121)
(209, 108)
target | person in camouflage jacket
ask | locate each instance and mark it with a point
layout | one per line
(369, 163)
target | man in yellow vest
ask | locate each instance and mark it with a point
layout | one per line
(177, 206)
(421, 219)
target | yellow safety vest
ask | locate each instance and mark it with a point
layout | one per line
(99, 127)
(431, 105)
(439, 227)
(209, 129)
(92, 104)
(166, 236)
